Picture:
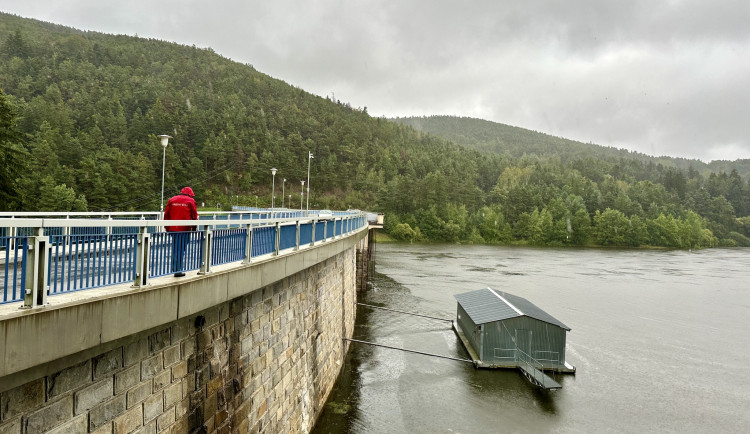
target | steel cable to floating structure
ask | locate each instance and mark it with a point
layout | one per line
(405, 313)
(409, 351)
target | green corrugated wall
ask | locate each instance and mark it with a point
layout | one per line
(547, 341)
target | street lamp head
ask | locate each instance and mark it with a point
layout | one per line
(284, 179)
(164, 139)
(273, 171)
(303, 182)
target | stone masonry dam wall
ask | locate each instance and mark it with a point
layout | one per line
(251, 348)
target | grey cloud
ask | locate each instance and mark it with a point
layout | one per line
(666, 77)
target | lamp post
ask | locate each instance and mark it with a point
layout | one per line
(309, 157)
(283, 184)
(273, 186)
(164, 142)
(301, 194)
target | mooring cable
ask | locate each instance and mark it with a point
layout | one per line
(409, 351)
(406, 313)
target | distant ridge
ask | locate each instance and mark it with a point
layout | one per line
(514, 142)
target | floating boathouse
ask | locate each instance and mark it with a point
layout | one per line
(501, 330)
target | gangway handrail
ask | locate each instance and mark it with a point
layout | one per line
(535, 365)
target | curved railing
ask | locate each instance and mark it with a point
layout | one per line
(55, 253)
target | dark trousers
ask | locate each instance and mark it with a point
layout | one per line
(180, 241)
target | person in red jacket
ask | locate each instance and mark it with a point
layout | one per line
(180, 207)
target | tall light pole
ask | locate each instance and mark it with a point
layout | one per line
(301, 193)
(164, 142)
(273, 186)
(309, 157)
(283, 184)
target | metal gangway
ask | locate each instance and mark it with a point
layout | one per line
(532, 369)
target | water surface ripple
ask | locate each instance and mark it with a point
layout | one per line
(661, 340)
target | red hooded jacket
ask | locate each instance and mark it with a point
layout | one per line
(181, 207)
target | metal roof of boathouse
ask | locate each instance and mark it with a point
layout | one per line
(489, 305)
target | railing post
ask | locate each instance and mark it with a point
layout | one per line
(37, 272)
(312, 238)
(325, 230)
(208, 236)
(248, 244)
(277, 240)
(13, 232)
(297, 236)
(142, 258)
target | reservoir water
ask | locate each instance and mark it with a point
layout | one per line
(660, 339)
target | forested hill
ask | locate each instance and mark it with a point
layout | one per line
(514, 142)
(80, 112)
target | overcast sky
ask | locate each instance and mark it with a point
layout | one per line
(665, 77)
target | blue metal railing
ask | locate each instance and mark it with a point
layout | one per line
(337, 228)
(228, 246)
(78, 256)
(79, 262)
(305, 234)
(14, 255)
(264, 241)
(175, 252)
(320, 229)
(288, 237)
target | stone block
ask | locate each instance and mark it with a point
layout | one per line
(182, 407)
(215, 384)
(179, 370)
(159, 340)
(107, 363)
(21, 399)
(75, 426)
(126, 379)
(128, 421)
(236, 306)
(171, 355)
(172, 395)
(69, 379)
(135, 352)
(104, 429)
(94, 394)
(197, 399)
(106, 411)
(165, 420)
(209, 407)
(212, 316)
(188, 348)
(202, 376)
(11, 426)
(149, 428)
(181, 330)
(204, 339)
(138, 393)
(220, 418)
(151, 366)
(153, 406)
(182, 426)
(247, 345)
(49, 416)
(162, 379)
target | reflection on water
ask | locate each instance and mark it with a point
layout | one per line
(659, 339)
